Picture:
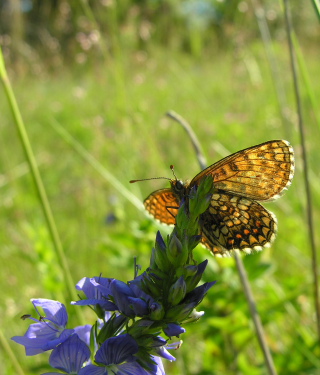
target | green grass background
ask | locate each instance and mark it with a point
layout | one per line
(114, 106)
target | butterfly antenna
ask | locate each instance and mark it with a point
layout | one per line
(156, 178)
(152, 178)
(172, 168)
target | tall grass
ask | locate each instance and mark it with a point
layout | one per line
(112, 114)
(309, 208)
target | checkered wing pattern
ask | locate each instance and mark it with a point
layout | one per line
(236, 223)
(163, 205)
(234, 220)
(261, 172)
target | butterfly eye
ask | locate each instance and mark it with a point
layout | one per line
(179, 185)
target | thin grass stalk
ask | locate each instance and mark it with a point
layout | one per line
(306, 78)
(115, 47)
(309, 208)
(240, 267)
(194, 140)
(90, 15)
(108, 176)
(10, 355)
(272, 60)
(44, 203)
(316, 5)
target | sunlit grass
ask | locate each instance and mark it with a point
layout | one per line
(229, 99)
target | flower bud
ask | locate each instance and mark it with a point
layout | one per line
(190, 270)
(160, 244)
(138, 305)
(180, 312)
(161, 260)
(177, 291)
(173, 329)
(192, 281)
(201, 196)
(156, 311)
(159, 256)
(197, 294)
(177, 255)
(194, 316)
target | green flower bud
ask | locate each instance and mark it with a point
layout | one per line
(177, 291)
(159, 255)
(180, 312)
(161, 260)
(194, 316)
(199, 201)
(190, 270)
(176, 253)
(157, 311)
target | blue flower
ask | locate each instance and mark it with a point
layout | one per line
(159, 366)
(49, 331)
(173, 329)
(128, 302)
(69, 356)
(116, 356)
(197, 294)
(97, 291)
(83, 333)
(136, 286)
(162, 351)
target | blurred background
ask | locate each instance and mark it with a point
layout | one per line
(93, 81)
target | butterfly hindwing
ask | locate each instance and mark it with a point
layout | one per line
(233, 222)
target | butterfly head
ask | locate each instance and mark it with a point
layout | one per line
(178, 187)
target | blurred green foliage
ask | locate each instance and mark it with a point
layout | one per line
(107, 72)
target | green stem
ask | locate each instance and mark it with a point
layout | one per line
(10, 354)
(316, 5)
(36, 178)
(309, 205)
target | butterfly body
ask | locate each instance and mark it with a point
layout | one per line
(235, 220)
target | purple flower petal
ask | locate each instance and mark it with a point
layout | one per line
(121, 291)
(139, 306)
(70, 355)
(160, 368)
(163, 352)
(93, 370)
(97, 291)
(49, 332)
(84, 333)
(117, 350)
(105, 304)
(133, 368)
(198, 293)
(89, 286)
(54, 310)
(173, 329)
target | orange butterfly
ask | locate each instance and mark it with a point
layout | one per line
(234, 219)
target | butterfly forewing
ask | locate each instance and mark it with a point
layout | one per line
(261, 172)
(163, 205)
(236, 223)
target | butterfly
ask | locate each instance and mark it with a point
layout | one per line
(234, 219)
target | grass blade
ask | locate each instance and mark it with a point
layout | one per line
(316, 4)
(40, 189)
(305, 165)
(97, 166)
